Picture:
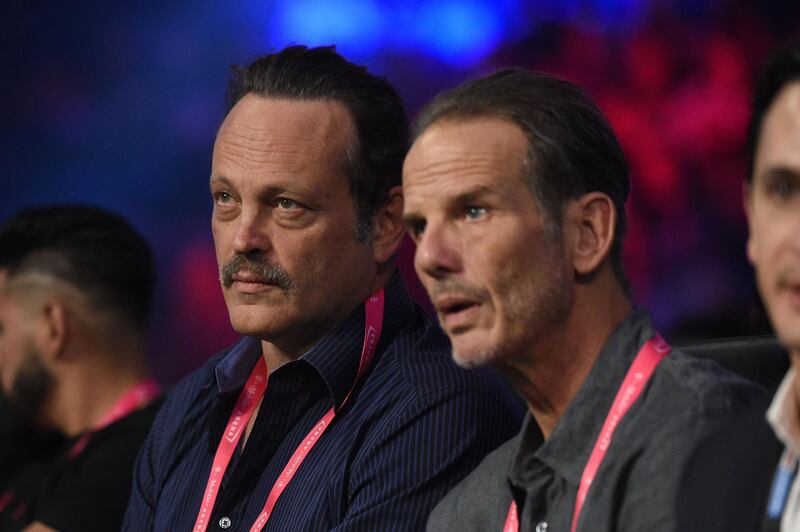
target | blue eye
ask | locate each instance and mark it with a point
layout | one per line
(475, 213)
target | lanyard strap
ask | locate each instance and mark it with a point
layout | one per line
(651, 353)
(251, 394)
(781, 484)
(141, 393)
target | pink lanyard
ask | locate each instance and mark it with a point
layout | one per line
(651, 353)
(131, 400)
(253, 391)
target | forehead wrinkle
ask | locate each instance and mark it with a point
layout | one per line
(451, 148)
(307, 131)
(488, 170)
(453, 171)
(269, 147)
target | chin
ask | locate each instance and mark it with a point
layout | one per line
(248, 324)
(786, 324)
(789, 337)
(473, 356)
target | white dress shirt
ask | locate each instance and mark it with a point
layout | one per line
(784, 417)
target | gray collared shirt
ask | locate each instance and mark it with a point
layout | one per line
(640, 484)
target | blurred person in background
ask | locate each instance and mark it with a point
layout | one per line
(515, 193)
(75, 290)
(340, 408)
(772, 205)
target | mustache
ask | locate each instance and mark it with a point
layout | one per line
(256, 265)
(452, 287)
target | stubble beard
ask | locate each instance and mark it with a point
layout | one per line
(529, 321)
(30, 388)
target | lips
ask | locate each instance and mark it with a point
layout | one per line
(788, 281)
(250, 283)
(248, 277)
(456, 312)
(794, 293)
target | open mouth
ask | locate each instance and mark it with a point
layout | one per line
(456, 312)
(458, 307)
(794, 294)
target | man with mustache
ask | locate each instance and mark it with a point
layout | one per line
(772, 205)
(75, 290)
(341, 408)
(515, 189)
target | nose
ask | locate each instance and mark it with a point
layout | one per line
(438, 252)
(252, 232)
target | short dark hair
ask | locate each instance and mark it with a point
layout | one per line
(375, 159)
(780, 68)
(572, 148)
(95, 251)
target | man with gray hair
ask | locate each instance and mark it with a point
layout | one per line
(515, 196)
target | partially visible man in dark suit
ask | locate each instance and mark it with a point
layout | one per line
(772, 205)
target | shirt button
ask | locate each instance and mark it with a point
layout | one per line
(541, 527)
(225, 522)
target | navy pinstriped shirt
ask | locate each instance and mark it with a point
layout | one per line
(413, 428)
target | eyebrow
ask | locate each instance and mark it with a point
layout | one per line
(219, 179)
(463, 198)
(780, 172)
(474, 194)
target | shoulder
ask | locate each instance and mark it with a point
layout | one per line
(694, 410)
(186, 404)
(125, 436)
(90, 492)
(480, 501)
(702, 388)
(197, 381)
(721, 439)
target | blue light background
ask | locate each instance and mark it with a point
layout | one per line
(117, 103)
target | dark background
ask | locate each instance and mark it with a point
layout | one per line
(117, 104)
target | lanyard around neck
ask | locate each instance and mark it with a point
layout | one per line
(141, 393)
(651, 353)
(782, 484)
(251, 394)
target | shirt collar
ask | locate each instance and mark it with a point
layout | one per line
(783, 414)
(336, 356)
(572, 440)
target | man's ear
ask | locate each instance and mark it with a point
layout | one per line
(747, 205)
(595, 218)
(387, 226)
(52, 329)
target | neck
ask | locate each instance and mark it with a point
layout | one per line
(278, 352)
(84, 392)
(552, 371)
